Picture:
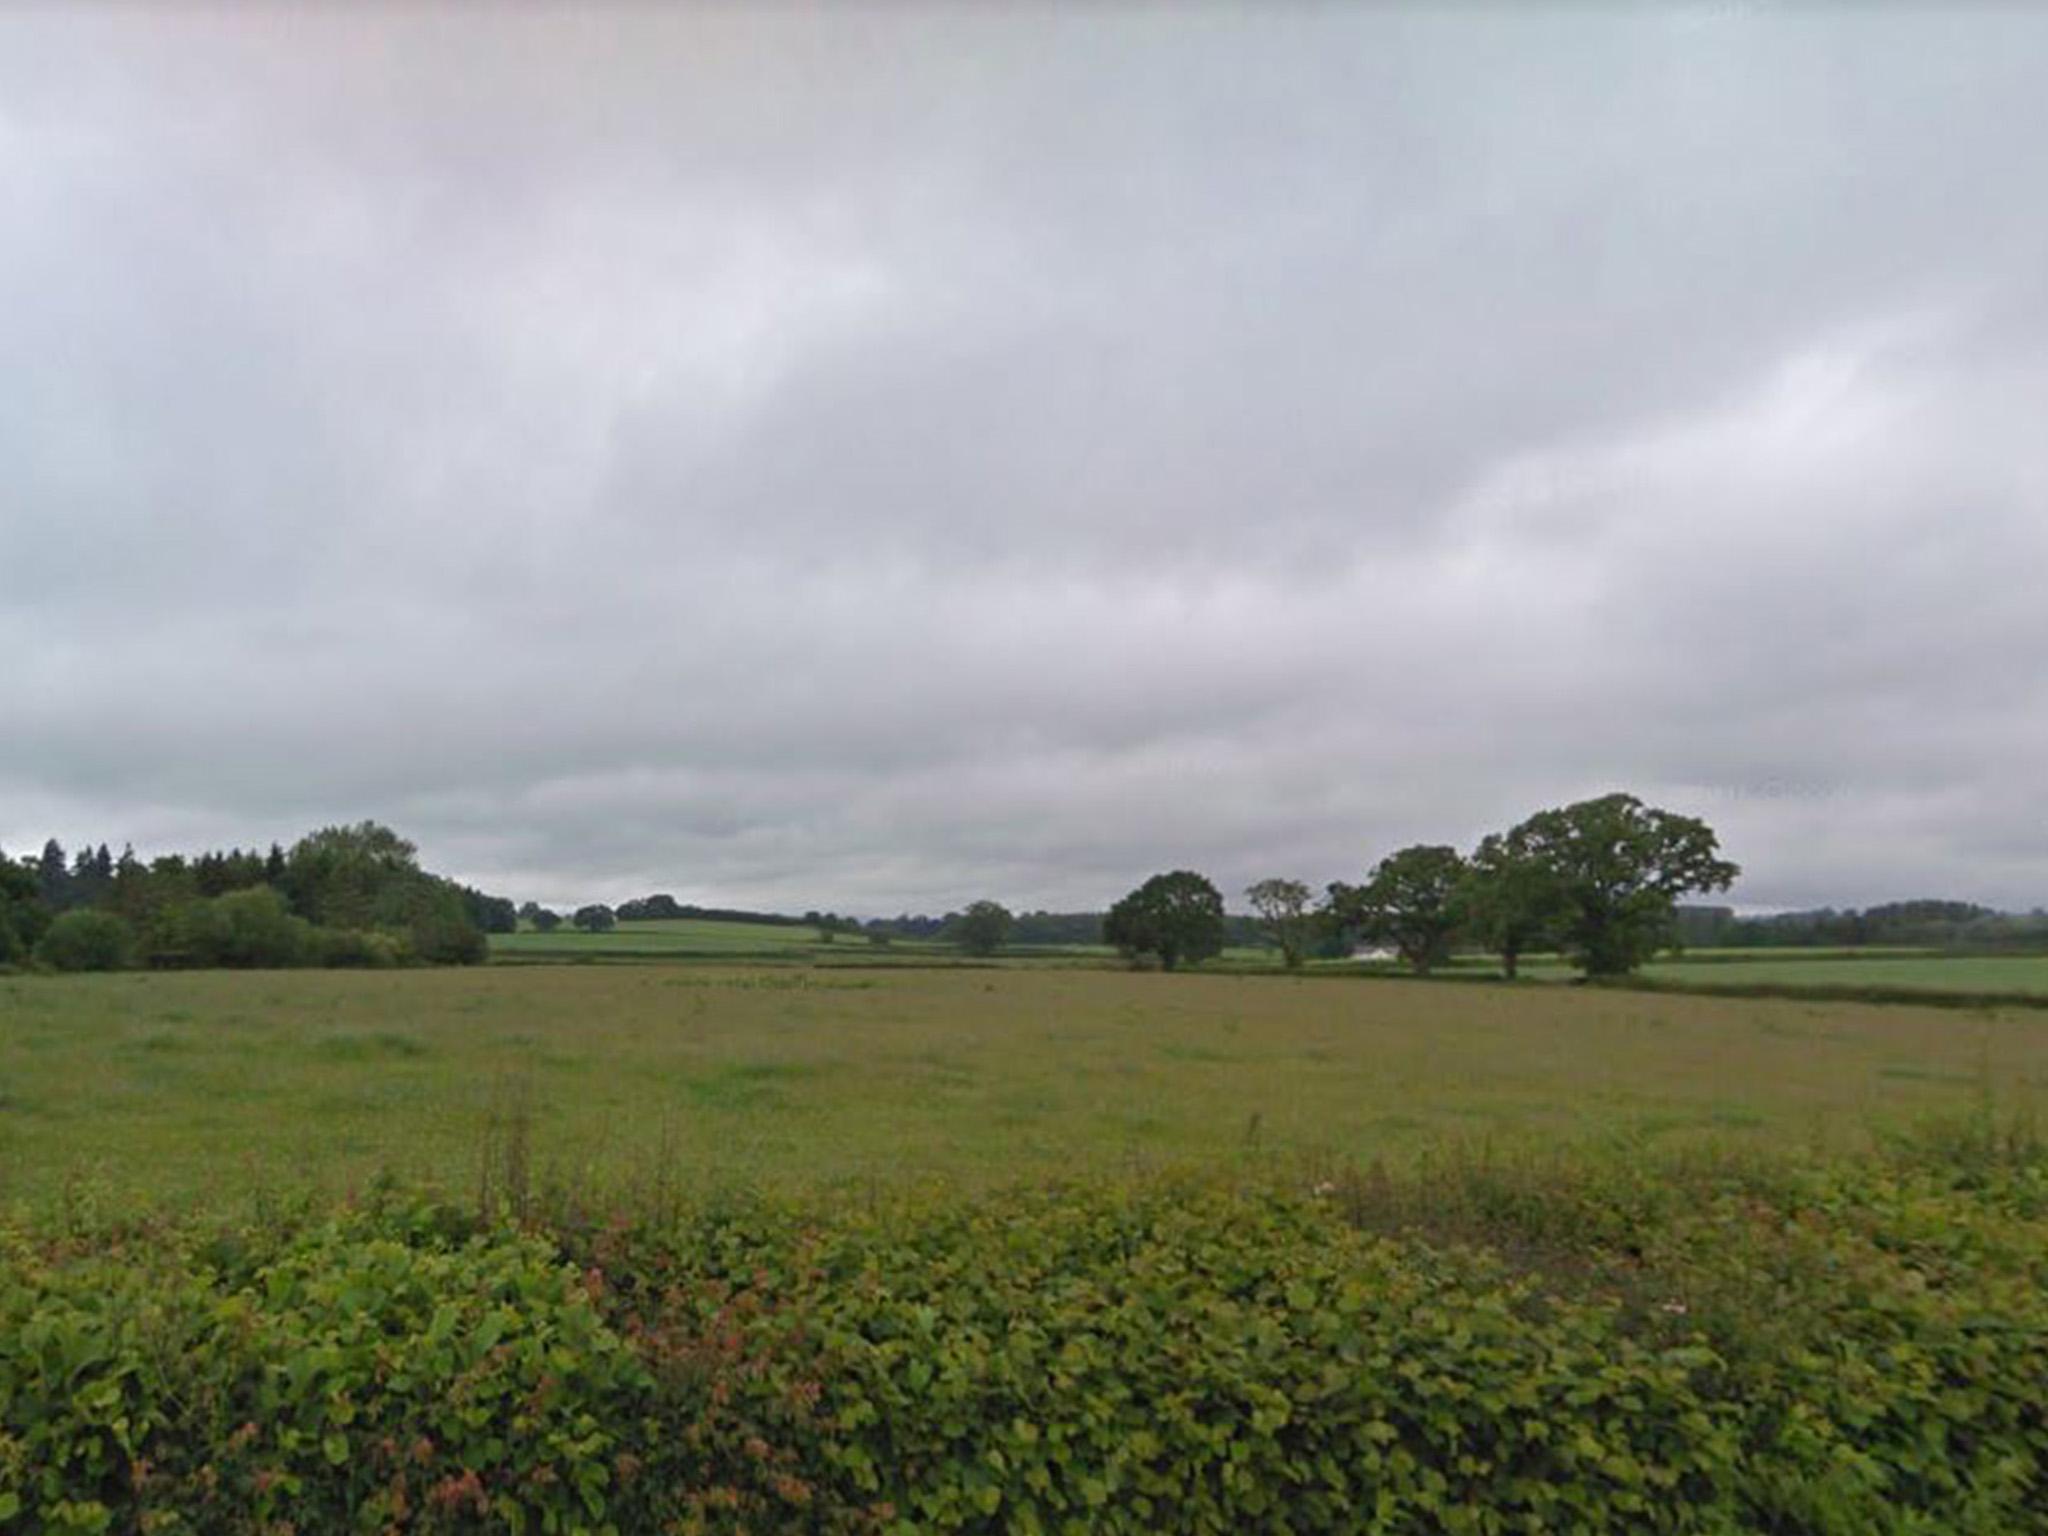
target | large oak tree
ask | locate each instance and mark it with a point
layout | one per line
(1619, 867)
(1176, 916)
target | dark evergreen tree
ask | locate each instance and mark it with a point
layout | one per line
(53, 877)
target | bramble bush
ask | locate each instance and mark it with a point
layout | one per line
(1710, 1347)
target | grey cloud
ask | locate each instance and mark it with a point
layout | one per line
(882, 459)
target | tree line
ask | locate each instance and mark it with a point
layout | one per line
(1597, 881)
(340, 896)
(1922, 924)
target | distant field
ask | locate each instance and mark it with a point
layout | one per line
(693, 938)
(1925, 970)
(684, 937)
(208, 1085)
(1967, 973)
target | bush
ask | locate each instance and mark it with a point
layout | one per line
(355, 949)
(86, 940)
(447, 938)
(364, 1375)
(255, 929)
(1816, 1352)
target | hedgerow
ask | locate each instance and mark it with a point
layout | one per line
(1716, 1349)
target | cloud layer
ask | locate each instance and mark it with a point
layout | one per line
(881, 460)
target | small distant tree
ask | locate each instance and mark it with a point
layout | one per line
(490, 914)
(984, 927)
(543, 920)
(1177, 916)
(595, 918)
(1285, 915)
(660, 907)
(1412, 900)
(86, 940)
(444, 935)
(53, 877)
(1621, 866)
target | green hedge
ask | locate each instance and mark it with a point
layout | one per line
(1829, 1351)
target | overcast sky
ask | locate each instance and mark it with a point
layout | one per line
(880, 461)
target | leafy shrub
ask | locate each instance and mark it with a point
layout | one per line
(86, 940)
(251, 928)
(352, 948)
(1719, 1349)
(447, 938)
(255, 929)
(364, 1374)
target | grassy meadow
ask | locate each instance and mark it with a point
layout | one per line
(1931, 972)
(706, 1247)
(693, 938)
(195, 1086)
(756, 943)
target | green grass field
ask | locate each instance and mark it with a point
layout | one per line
(192, 1086)
(703, 939)
(676, 939)
(1960, 973)
(1994, 976)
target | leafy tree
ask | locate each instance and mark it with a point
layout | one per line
(490, 914)
(1412, 899)
(23, 917)
(545, 921)
(443, 934)
(660, 907)
(983, 928)
(350, 877)
(1620, 867)
(1176, 916)
(1284, 916)
(595, 918)
(1513, 900)
(247, 929)
(85, 940)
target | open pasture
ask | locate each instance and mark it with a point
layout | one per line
(672, 939)
(1941, 973)
(199, 1086)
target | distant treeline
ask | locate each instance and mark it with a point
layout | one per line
(1926, 924)
(1026, 928)
(341, 896)
(1023, 930)
(664, 908)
